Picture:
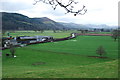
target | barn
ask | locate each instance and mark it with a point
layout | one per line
(7, 43)
(33, 39)
(25, 40)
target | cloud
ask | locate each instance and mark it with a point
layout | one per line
(99, 11)
(15, 5)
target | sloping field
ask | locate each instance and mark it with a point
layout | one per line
(64, 59)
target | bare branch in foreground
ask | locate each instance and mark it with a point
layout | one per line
(68, 7)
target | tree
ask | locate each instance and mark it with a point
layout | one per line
(12, 50)
(69, 7)
(35, 30)
(100, 51)
(3, 32)
(102, 29)
(54, 30)
(41, 30)
(84, 31)
(115, 34)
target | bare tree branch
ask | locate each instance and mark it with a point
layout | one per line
(68, 7)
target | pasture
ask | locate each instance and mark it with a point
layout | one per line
(58, 34)
(63, 59)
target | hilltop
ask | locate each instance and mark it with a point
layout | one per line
(15, 21)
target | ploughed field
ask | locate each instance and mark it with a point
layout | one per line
(64, 59)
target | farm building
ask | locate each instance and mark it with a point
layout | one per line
(6, 43)
(29, 39)
(73, 35)
(25, 40)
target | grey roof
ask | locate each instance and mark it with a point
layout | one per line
(34, 37)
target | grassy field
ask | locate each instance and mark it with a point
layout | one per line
(0, 67)
(58, 34)
(64, 59)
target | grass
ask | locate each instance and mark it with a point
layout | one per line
(0, 67)
(64, 59)
(59, 34)
(81, 45)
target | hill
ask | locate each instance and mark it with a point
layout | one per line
(74, 26)
(15, 21)
(87, 26)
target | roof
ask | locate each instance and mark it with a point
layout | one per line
(12, 40)
(33, 37)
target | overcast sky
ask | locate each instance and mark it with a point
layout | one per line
(99, 11)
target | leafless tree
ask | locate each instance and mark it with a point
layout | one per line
(116, 34)
(69, 7)
(100, 51)
(12, 50)
(3, 32)
(41, 30)
(54, 30)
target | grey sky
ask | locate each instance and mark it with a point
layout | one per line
(99, 11)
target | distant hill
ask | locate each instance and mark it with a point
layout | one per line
(15, 21)
(74, 26)
(87, 26)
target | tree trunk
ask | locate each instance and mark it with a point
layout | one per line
(115, 39)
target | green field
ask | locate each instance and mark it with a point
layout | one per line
(58, 34)
(64, 59)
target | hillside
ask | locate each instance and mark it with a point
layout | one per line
(64, 59)
(87, 26)
(74, 26)
(15, 21)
